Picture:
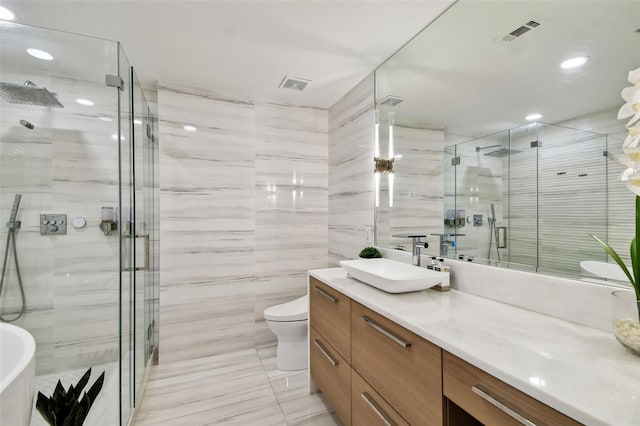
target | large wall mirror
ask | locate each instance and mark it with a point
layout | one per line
(500, 145)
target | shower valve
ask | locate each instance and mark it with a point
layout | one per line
(53, 224)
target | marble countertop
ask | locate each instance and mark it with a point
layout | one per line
(580, 371)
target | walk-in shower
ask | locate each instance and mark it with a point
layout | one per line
(77, 137)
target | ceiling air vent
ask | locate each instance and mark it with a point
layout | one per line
(391, 100)
(294, 83)
(522, 29)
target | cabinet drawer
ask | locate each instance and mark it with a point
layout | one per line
(404, 369)
(329, 315)
(368, 408)
(472, 389)
(332, 374)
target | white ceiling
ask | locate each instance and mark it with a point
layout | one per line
(244, 48)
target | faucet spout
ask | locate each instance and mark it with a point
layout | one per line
(416, 245)
(446, 242)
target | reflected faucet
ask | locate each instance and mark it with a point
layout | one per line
(416, 244)
(446, 241)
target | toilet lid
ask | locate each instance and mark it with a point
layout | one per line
(296, 310)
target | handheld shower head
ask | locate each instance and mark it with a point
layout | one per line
(13, 223)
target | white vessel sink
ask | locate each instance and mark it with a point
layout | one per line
(392, 276)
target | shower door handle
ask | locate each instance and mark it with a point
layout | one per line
(145, 266)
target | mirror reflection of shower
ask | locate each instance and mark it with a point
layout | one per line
(493, 233)
(13, 226)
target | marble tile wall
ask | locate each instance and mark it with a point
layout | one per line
(291, 190)
(351, 184)
(243, 213)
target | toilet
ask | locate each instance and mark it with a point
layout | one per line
(289, 321)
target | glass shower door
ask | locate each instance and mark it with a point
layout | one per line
(127, 223)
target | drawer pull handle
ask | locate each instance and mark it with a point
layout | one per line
(386, 332)
(320, 346)
(377, 409)
(497, 402)
(325, 294)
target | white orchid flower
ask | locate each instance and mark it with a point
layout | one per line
(631, 159)
(630, 110)
(631, 94)
(631, 178)
(634, 77)
(631, 141)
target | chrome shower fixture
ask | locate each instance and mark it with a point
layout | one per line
(500, 152)
(27, 124)
(29, 93)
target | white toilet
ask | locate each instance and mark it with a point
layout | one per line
(289, 321)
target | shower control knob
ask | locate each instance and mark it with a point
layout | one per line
(53, 224)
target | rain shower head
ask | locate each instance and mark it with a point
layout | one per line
(29, 93)
(500, 152)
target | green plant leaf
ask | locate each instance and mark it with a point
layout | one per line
(611, 252)
(43, 407)
(635, 264)
(370, 253)
(76, 416)
(95, 389)
(82, 383)
(635, 254)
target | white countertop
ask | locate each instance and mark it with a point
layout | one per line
(580, 371)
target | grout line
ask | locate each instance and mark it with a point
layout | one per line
(275, 394)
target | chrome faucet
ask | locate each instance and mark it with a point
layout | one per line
(416, 244)
(446, 241)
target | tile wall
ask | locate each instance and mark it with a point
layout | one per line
(351, 185)
(244, 216)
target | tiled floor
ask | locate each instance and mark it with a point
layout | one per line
(241, 388)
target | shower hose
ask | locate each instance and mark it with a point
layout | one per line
(11, 237)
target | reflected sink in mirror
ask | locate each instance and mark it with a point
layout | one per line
(606, 270)
(391, 276)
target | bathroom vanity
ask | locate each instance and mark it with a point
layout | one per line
(432, 358)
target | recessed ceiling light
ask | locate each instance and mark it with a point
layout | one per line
(115, 137)
(576, 62)
(6, 14)
(189, 128)
(104, 118)
(534, 116)
(84, 102)
(137, 121)
(40, 54)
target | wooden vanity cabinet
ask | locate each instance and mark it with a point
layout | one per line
(375, 372)
(368, 408)
(491, 401)
(330, 315)
(405, 369)
(332, 374)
